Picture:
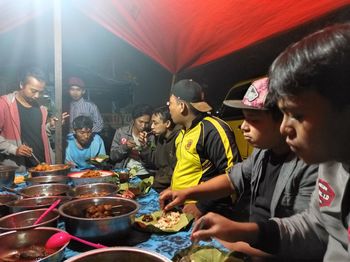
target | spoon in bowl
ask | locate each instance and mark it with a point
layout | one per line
(43, 215)
(61, 238)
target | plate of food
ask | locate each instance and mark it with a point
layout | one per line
(100, 161)
(132, 190)
(90, 176)
(160, 222)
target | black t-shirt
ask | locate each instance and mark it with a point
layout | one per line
(261, 205)
(31, 120)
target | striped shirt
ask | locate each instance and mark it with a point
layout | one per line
(86, 108)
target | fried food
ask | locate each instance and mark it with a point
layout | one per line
(99, 211)
(91, 173)
(43, 167)
(168, 220)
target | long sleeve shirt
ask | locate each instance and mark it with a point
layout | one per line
(86, 108)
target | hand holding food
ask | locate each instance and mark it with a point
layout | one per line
(24, 150)
(176, 198)
(143, 138)
(217, 226)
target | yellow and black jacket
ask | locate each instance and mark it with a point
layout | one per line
(205, 150)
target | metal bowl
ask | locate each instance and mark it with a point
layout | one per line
(46, 180)
(120, 254)
(78, 179)
(18, 240)
(4, 199)
(99, 229)
(46, 190)
(95, 190)
(25, 220)
(57, 170)
(34, 203)
(7, 175)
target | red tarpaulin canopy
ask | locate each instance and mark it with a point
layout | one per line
(184, 34)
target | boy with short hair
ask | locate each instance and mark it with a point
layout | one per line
(161, 154)
(83, 144)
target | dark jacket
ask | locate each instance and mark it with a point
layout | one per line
(162, 156)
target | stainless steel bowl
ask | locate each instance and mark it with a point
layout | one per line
(25, 220)
(95, 190)
(120, 254)
(57, 170)
(99, 229)
(46, 190)
(4, 199)
(7, 175)
(18, 240)
(46, 180)
(34, 203)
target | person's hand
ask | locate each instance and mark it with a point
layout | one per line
(176, 198)
(130, 144)
(24, 150)
(191, 208)
(217, 226)
(53, 120)
(143, 138)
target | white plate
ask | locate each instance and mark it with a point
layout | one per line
(80, 173)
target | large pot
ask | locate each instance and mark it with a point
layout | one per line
(55, 170)
(46, 190)
(18, 240)
(120, 254)
(30, 181)
(24, 220)
(34, 203)
(95, 190)
(107, 229)
(7, 175)
(4, 199)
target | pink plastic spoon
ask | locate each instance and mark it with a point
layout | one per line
(61, 238)
(54, 204)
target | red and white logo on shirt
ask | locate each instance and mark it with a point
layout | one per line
(325, 193)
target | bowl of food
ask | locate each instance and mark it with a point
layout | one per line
(100, 219)
(7, 175)
(25, 220)
(120, 254)
(123, 174)
(34, 203)
(46, 190)
(4, 199)
(30, 181)
(90, 176)
(95, 190)
(45, 170)
(29, 245)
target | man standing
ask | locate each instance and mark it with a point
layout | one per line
(79, 106)
(205, 147)
(23, 123)
(161, 154)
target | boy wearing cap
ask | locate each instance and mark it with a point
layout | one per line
(311, 82)
(205, 147)
(279, 182)
(79, 106)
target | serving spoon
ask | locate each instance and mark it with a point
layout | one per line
(61, 238)
(43, 215)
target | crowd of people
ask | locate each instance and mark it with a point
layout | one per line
(296, 180)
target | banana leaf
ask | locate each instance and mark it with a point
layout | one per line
(139, 189)
(185, 220)
(208, 254)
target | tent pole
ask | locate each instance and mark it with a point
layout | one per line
(173, 79)
(57, 23)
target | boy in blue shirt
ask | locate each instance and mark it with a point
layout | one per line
(83, 144)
